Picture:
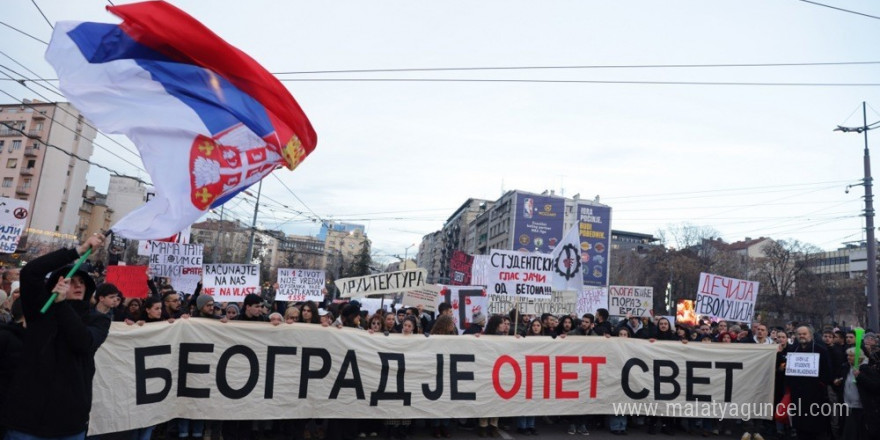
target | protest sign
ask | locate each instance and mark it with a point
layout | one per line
(381, 283)
(465, 301)
(203, 369)
(591, 299)
(299, 285)
(13, 219)
(460, 269)
(726, 298)
(479, 267)
(180, 263)
(802, 364)
(423, 296)
(517, 273)
(561, 302)
(231, 282)
(372, 305)
(594, 223)
(130, 280)
(635, 300)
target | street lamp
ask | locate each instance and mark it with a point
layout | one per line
(869, 222)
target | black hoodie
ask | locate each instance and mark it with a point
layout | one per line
(51, 393)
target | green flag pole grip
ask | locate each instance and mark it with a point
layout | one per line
(73, 270)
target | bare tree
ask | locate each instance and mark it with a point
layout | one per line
(783, 264)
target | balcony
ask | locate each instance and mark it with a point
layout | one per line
(8, 132)
(34, 134)
(30, 152)
(23, 190)
(27, 171)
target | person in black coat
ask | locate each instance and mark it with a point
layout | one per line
(51, 392)
(810, 392)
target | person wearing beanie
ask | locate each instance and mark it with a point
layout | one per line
(477, 323)
(204, 306)
(231, 311)
(253, 308)
(50, 394)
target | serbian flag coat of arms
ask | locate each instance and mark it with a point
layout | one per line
(208, 120)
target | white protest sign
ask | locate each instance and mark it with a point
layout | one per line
(561, 302)
(465, 301)
(424, 296)
(802, 364)
(479, 267)
(13, 219)
(180, 263)
(231, 282)
(381, 283)
(372, 305)
(523, 274)
(299, 285)
(726, 298)
(636, 300)
(591, 299)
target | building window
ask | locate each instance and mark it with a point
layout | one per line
(7, 182)
(31, 163)
(38, 126)
(11, 163)
(16, 145)
(26, 183)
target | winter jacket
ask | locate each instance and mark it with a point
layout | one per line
(51, 393)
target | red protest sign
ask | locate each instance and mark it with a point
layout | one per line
(131, 280)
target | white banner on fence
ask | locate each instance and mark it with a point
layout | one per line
(13, 218)
(590, 299)
(180, 263)
(637, 300)
(726, 298)
(381, 283)
(562, 302)
(299, 285)
(231, 282)
(425, 297)
(523, 274)
(465, 301)
(203, 369)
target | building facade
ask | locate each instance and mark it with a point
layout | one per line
(124, 195)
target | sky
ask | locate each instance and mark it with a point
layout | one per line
(400, 156)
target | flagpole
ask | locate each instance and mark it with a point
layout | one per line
(250, 251)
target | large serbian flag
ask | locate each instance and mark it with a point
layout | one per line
(207, 119)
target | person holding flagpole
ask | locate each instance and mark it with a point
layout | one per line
(51, 392)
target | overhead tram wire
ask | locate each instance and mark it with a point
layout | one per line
(22, 32)
(44, 15)
(576, 81)
(841, 9)
(75, 156)
(138, 167)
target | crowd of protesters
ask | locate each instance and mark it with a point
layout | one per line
(90, 313)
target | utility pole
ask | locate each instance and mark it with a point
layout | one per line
(869, 223)
(250, 250)
(219, 232)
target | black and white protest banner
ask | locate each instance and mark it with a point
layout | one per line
(426, 297)
(466, 301)
(522, 274)
(635, 300)
(298, 285)
(180, 263)
(381, 283)
(203, 369)
(561, 302)
(590, 299)
(802, 364)
(567, 268)
(13, 219)
(231, 282)
(726, 298)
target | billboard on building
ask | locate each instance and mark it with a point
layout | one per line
(538, 222)
(595, 233)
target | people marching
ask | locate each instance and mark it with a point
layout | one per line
(29, 343)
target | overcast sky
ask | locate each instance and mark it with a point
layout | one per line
(401, 156)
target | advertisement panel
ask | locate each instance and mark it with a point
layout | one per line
(595, 233)
(538, 223)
